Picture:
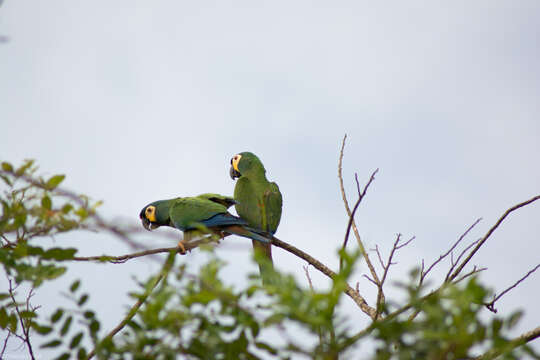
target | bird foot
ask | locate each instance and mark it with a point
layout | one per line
(181, 247)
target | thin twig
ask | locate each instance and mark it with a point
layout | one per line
(463, 252)
(353, 294)
(5, 344)
(491, 305)
(135, 308)
(474, 271)
(441, 257)
(488, 234)
(386, 267)
(308, 277)
(319, 331)
(25, 327)
(123, 258)
(361, 195)
(349, 213)
(370, 279)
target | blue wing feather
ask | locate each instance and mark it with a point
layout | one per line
(223, 220)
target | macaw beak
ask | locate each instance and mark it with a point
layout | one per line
(233, 173)
(147, 224)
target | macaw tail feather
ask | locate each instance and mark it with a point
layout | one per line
(261, 243)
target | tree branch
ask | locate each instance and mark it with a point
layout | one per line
(423, 273)
(488, 234)
(349, 213)
(25, 327)
(516, 342)
(386, 267)
(133, 311)
(491, 305)
(123, 258)
(353, 294)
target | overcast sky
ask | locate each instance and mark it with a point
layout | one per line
(137, 101)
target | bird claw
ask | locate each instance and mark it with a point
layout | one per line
(181, 247)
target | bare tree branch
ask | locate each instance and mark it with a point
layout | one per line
(308, 277)
(123, 258)
(5, 344)
(353, 294)
(423, 273)
(454, 263)
(491, 305)
(386, 267)
(349, 213)
(488, 234)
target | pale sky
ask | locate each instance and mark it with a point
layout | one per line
(137, 101)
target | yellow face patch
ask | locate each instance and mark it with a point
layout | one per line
(150, 213)
(235, 160)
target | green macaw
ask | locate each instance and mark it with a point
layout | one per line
(258, 201)
(196, 216)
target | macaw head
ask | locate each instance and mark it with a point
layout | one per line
(155, 215)
(244, 164)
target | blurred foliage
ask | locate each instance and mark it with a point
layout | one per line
(189, 313)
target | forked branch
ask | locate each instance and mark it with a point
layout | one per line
(351, 215)
(488, 234)
(491, 305)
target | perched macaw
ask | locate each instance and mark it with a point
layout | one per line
(258, 201)
(193, 215)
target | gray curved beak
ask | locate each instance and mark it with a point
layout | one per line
(233, 173)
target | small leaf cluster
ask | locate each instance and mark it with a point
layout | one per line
(70, 331)
(30, 208)
(445, 324)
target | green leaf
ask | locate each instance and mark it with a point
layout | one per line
(81, 354)
(75, 286)
(51, 344)
(82, 213)
(46, 202)
(6, 179)
(75, 340)
(57, 315)
(64, 356)
(59, 253)
(7, 166)
(67, 208)
(83, 299)
(54, 181)
(13, 323)
(4, 318)
(94, 326)
(27, 314)
(66, 325)
(40, 329)
(89, 315)
(21, 170)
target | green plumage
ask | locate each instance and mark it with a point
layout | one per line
(193, 214)
(258, 201)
